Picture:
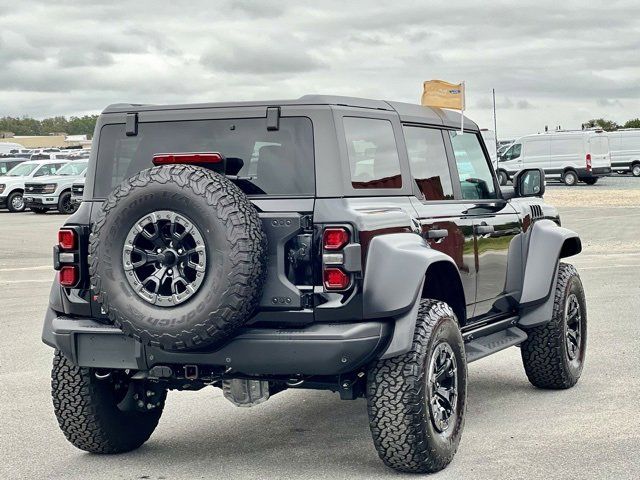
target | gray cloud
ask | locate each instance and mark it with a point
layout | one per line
(550, 62)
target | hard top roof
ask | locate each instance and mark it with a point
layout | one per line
(408, 112)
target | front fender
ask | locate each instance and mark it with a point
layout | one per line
(393, 282)
(548, 243)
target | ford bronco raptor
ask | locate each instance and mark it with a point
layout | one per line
(354, 245)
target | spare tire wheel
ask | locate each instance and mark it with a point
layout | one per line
(177, 257)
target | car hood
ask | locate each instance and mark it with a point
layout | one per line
(55, 178)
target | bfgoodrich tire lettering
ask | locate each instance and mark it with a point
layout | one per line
(404, 431)
(235, 270)
(548, 361)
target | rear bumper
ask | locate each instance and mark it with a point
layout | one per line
(594, 172)
(319, 349)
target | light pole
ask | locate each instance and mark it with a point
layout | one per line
(495, 123)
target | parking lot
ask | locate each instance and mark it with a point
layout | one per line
(512, 429)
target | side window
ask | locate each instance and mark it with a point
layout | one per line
(476, 179)
(513, 153)
(428, 161)
(373, 154)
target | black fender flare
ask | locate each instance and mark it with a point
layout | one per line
(395, 275)
(548, 243)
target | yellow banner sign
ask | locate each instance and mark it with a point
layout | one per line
(439, 94)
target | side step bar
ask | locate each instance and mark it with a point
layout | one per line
(494, 342)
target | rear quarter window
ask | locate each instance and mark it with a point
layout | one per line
(373, 153)
(279, 162)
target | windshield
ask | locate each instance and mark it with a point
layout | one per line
(259, 161)
(22, 170)
(74, 168)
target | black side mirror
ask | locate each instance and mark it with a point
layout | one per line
(529, 182)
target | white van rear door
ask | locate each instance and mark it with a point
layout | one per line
(599, 149)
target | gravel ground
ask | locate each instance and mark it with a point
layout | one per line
(513, 431)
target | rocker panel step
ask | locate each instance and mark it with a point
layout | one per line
(484, 346)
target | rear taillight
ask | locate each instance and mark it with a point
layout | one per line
(69, 275)
(589, 166)
(67, 239)
(335, 238)
(66, 257)
(334, 275)
(335, 278)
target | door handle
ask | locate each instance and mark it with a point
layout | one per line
(437, 234)
(484, 229)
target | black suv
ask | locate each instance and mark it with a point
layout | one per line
(354, 245)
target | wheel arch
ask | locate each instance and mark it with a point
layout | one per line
(400, 270)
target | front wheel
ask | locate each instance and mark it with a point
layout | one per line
(65, 205)
(553, 354)
(503, 178)
(15, 202)
(416, 401)
(103, 411)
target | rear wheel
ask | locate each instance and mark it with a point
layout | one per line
(553, 354)
(104, 411)
(15, 202)
(635, 169)
(503, 177)
(570, 178)
(416, 401)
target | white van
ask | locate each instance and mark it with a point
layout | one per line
(625, 150)
(489, 137)
(570, 156)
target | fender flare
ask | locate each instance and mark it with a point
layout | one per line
(395, 275)
(548, 243)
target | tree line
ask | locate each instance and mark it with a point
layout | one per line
(610, 125)
(30, 126)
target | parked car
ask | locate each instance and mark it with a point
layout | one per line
(54, 192)
(77, 192)
(12, 184)
(49, 156)
(7, 147)
(372, 253)
(570, 156)
(625, 150)
(8, 163)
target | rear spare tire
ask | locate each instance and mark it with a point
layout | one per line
(177, 257)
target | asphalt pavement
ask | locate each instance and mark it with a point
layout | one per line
(513, 431)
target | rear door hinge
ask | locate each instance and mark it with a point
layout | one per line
(306, 300)
(306, 222)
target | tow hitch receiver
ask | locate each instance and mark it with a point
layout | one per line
(245, 393)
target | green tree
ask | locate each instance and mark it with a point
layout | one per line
(29, 126)
(606, 125)
(633, 123)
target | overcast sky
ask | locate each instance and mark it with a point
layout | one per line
(551, 63)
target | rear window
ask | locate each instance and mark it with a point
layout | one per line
(278, 162)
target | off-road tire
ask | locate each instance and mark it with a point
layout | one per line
(10, 206)
(544, 353)
(399, 413)
(234, 276)
(570, 178)
(88, 415)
